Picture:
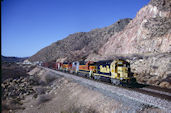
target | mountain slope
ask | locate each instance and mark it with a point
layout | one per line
(78, 46)
(12, 59)
(148, 32)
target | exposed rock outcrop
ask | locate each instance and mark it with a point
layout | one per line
(153, 69)
(163, 5)
(148, 32)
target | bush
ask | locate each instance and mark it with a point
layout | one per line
(41, 90)
(44, 98)
(50, 78)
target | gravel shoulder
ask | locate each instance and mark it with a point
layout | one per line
(137, 100)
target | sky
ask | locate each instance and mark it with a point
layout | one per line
(30, 25)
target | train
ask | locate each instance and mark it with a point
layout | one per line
(118, 71)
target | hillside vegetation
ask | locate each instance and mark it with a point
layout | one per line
(79, 45)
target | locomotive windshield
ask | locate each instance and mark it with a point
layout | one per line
(120, 64)
(123, 64)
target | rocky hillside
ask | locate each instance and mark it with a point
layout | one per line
(79, 45)
(145, 41)
(148, 32)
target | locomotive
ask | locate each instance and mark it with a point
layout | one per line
(117, 71)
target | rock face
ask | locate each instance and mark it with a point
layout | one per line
(163, 5)
(148, 32)
(79, 45)
(153, 69)
(17, 88)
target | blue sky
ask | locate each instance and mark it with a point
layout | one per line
(30, 25)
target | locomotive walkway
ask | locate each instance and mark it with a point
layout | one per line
(134, 96)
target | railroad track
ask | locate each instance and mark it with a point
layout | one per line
(146, 89)
(162, 93)
(141, 88)
(154, 92)
(157, 94)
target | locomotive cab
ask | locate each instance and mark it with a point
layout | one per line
(120, 70)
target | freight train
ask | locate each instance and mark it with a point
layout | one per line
(117, 71)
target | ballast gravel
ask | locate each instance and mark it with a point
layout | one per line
(136, 100)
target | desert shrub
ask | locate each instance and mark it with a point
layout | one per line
(34, 80)
(43, 98)
(41, 90)
(49, 78)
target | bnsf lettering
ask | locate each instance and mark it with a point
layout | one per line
(104, 69)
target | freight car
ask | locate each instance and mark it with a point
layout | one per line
(58, 65)
(49, 64)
